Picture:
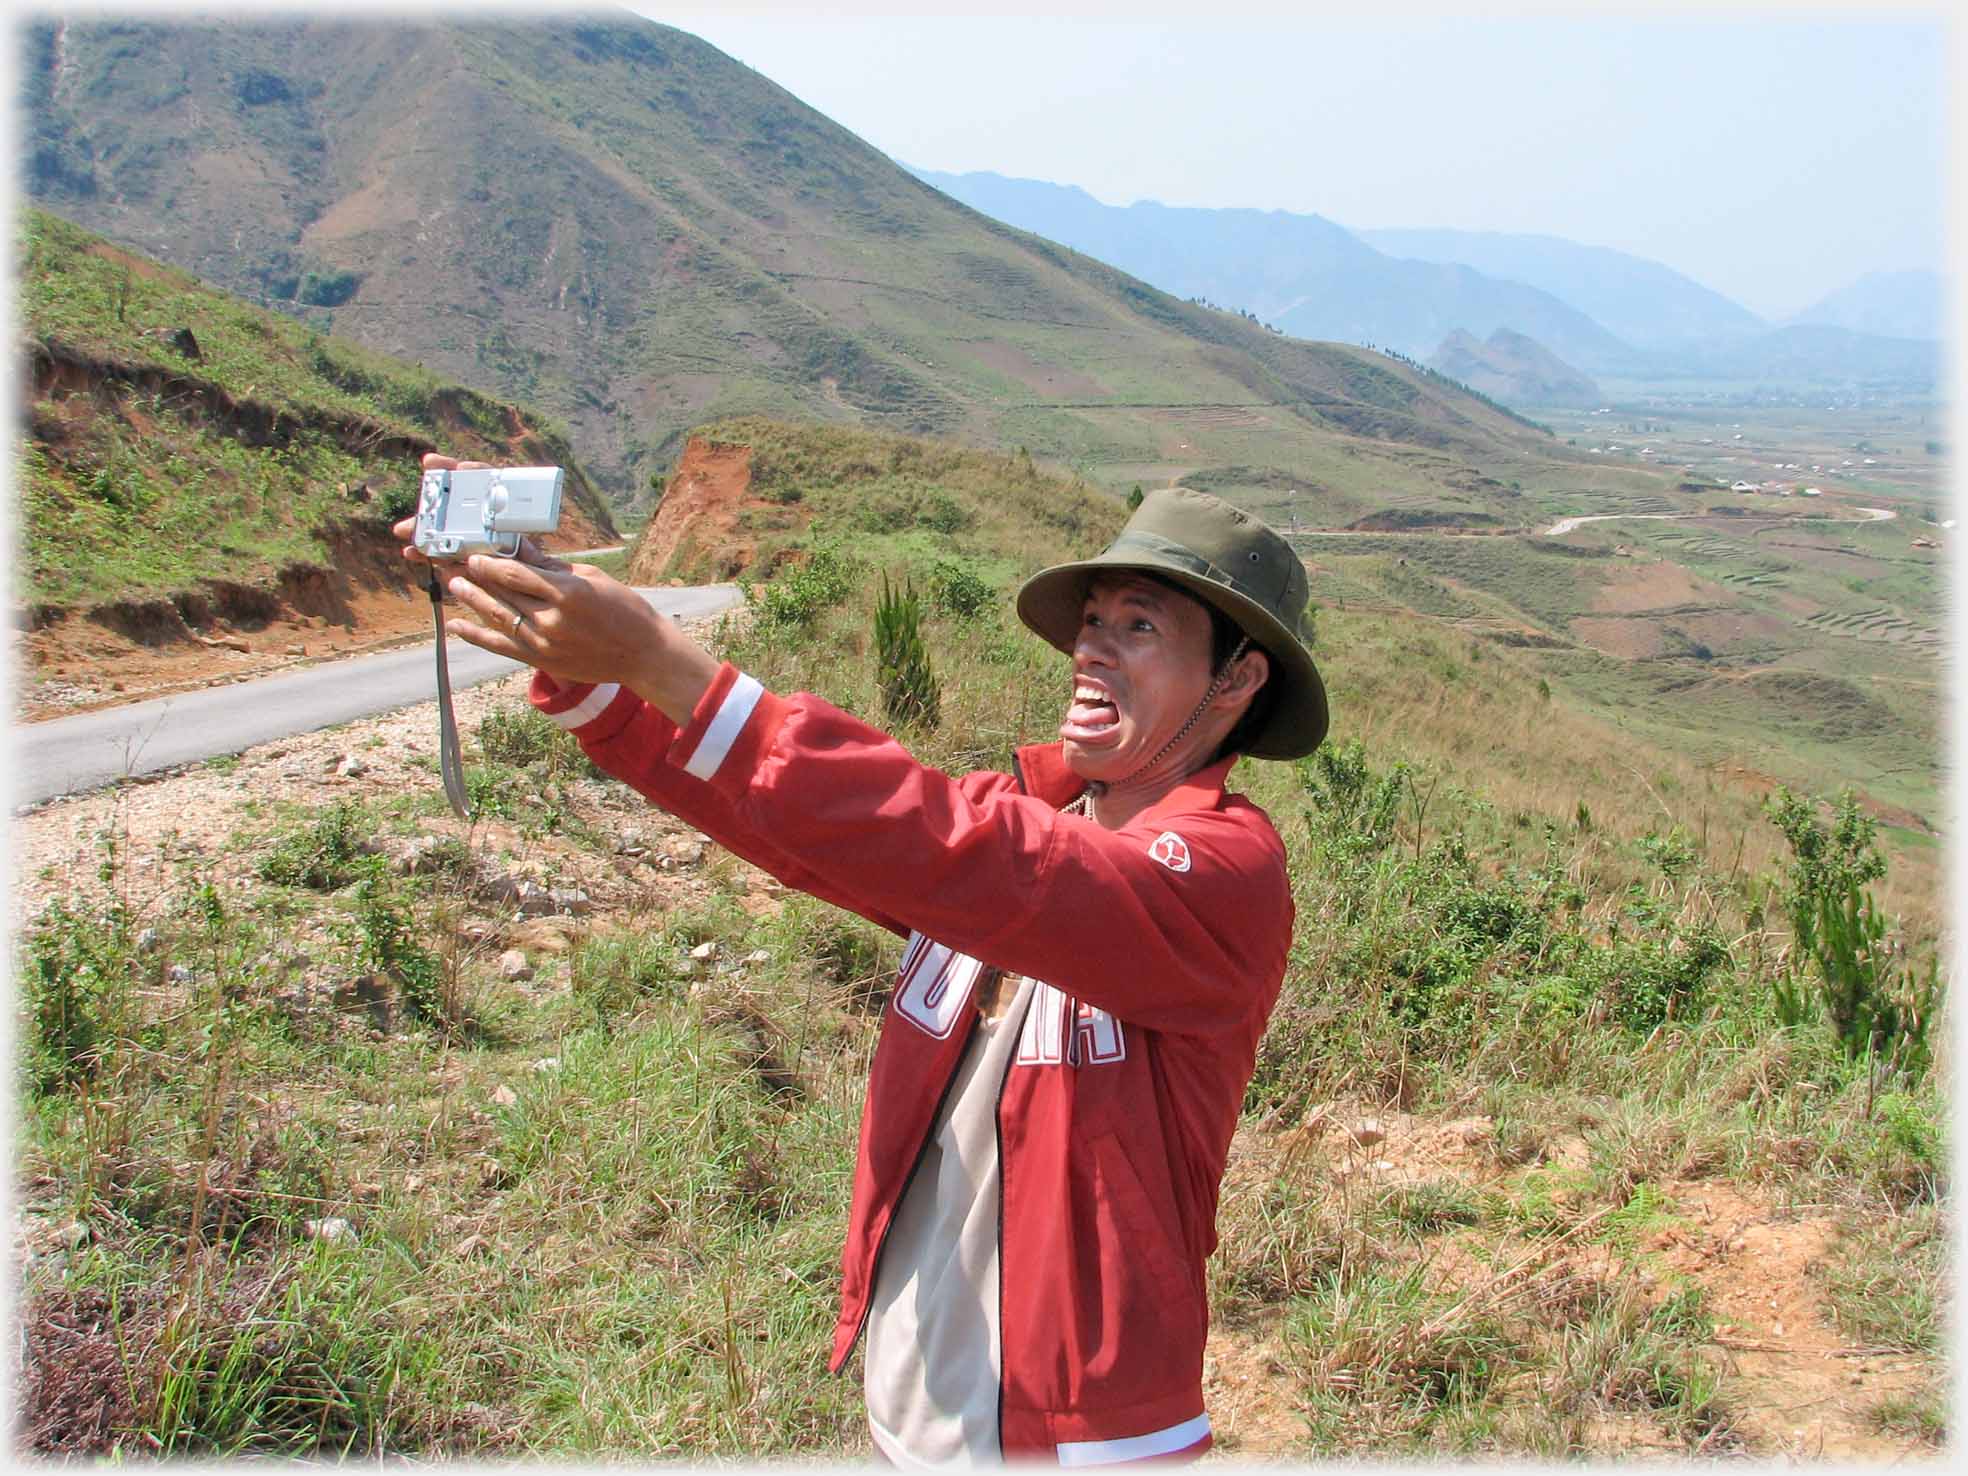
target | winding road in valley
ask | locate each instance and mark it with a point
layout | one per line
(71, 754)
(1565, 525)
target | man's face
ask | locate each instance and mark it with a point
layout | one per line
(1140, 666)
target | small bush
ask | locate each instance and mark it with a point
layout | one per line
(518, 736)
(332, 852)
(958, 591)
(796, 598)
(1354, 806)
(76, 989)
(911, 695)
(387, 943)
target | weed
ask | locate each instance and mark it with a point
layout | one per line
(1921, 1415)
(1384, 1358)
(1886, 1280)
(518, 736)
(1432, 1205)
(387, 943)
(911, 695)
(78, 993)
(334, 851)
(1620, 1354)
(614, 977)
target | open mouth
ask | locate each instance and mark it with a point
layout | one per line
(1091, 716)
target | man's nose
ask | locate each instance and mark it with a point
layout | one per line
(1093, 648)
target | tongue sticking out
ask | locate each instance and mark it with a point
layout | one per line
(1089, 716)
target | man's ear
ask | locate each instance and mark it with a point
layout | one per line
(1247, 678)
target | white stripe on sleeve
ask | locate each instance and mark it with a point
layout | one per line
(1133, 1447)
(725, 727)
(589, 707)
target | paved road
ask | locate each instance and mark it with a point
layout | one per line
(71, 754)
(1565, 525)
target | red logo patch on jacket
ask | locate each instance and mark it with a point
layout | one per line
(1171, 850)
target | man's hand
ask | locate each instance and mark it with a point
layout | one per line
(569, 620)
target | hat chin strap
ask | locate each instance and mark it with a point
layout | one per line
(1098, 787)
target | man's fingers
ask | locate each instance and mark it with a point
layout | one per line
(497, 612)
(531, 553)
(498, 642)
(534, 581)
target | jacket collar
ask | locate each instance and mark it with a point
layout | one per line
(1043, 772)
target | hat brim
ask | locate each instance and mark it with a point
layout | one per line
(1051, 603)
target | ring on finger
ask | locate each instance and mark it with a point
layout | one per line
(518, 620)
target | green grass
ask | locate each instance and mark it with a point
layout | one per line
(596, 1214)
(185, 471)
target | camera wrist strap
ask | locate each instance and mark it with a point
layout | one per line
(447, 725)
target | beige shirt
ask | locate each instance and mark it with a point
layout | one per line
(934, 1355)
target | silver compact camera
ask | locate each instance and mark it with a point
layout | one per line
(485, 509)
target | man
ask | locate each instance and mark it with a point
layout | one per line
(1095, 943)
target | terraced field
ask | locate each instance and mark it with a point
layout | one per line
(1882, 624)
(1768, 578)
(1700, 543)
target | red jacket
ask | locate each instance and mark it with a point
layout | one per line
(1165, 944)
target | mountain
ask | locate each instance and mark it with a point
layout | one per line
(206, 488)
(613, 220)
(1641, 301)
(1514, 369)
(1301, 273)
(1889, 304)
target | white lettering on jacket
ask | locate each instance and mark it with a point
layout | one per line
(934, 986)
(1092, 1037)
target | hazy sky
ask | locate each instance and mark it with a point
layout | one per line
(1774, 156)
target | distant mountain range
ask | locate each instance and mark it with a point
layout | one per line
(1514, 369)
(613, 220)
(1643, 302)
(1302, 273)
(1891, 304)
(1600, 310)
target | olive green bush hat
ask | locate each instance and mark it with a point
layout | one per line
(1228, 560)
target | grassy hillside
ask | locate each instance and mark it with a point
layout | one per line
(179, 440)
(326, 1150)
(611, 219)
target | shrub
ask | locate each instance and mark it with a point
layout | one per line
(77, 988)
(1878, 1004)
(387, 944)
(1354, 807)
(819, 582)
(958, 590)
(328, 855)
(910, 692)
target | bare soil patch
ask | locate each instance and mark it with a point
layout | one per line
(1795, 1387)
(701, 511)
(1626, 637)
(1052, 382)
(363, 599)
(1628, 589)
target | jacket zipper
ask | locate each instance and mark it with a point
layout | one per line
(915, 1164)
(1004, 1178)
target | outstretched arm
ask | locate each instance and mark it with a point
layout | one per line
(571, 621)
